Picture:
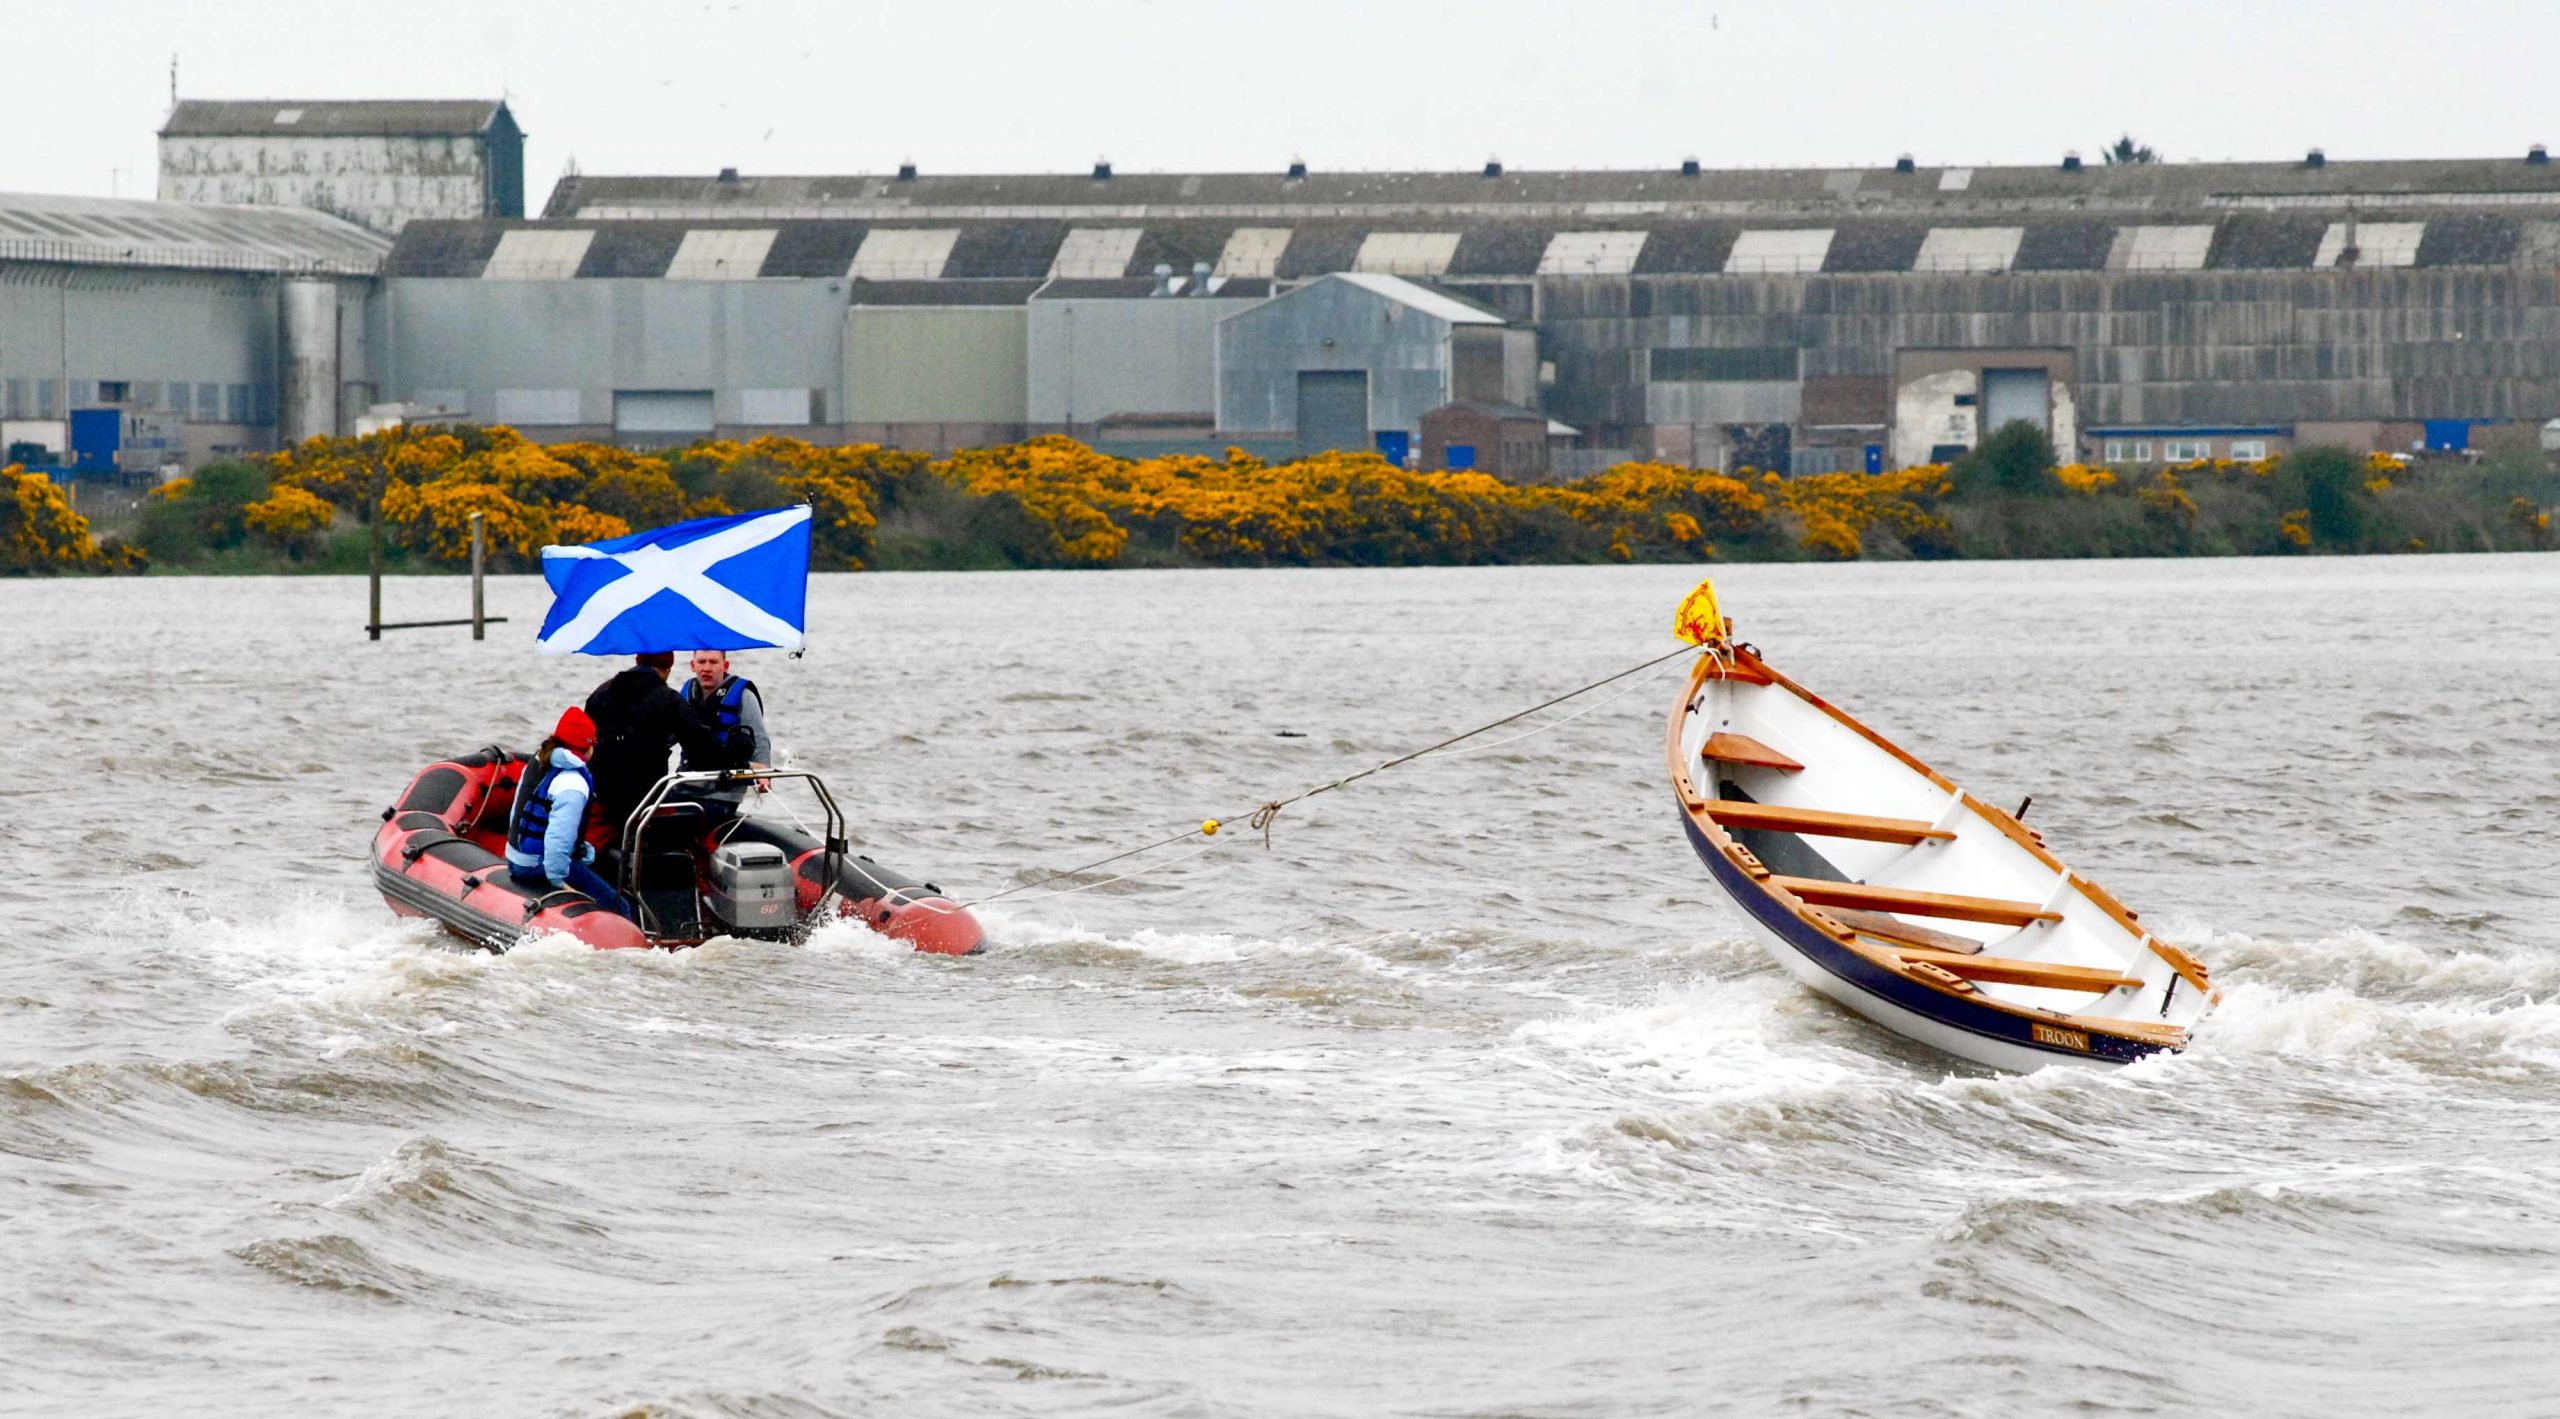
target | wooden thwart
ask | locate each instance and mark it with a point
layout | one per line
(2002, 970)
(1726, 748)
(1998, 911)
(1903, 933)
(1824, 823)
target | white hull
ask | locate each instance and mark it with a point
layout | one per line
(1963, 1044)
(1878, 882)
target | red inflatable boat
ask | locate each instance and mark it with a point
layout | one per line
(692, 870)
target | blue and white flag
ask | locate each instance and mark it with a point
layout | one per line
(717, 583)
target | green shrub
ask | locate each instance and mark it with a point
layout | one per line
(2016, 459)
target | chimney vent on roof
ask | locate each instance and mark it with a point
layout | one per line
(1297, 169)
(2537, 155)
(728, 174)
(1688, 167)
(2315, 159)
(1199, 278)
(1102, 170)
(906, 172)
(1493, 167)
(1164, 280)
(2071, 161)
(1904, 164)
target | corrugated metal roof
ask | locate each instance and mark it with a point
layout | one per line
(1492, 408)
(944, 293)
(107, 231)
(1065, 288)
(332, 118)
(1743, 192)
(1436, 304)
(1498, 250)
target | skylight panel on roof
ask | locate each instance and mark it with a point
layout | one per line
(2160, 248)
(721, 254)
(525, 255)
(2376, 243)
(1800, 250)
(287, 117)
(1095, 253)
(1591, 253)
(1406, 253)
(1969, 249)
(1253, 252)
(903, 254)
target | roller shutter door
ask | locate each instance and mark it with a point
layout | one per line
(2009, 396)
(1333, 410)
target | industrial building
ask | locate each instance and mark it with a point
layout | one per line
(379, 163)
(172, 333)
(1814, 319)
(1353, 358)
(1805, 319)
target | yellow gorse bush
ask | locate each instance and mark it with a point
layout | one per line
(1053, 501)
(289, 517)
(1079, 507)
(39, 532)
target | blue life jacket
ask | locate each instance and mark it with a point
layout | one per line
(533, 809)
(721, 714)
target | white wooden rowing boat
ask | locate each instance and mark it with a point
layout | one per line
(1877, 881)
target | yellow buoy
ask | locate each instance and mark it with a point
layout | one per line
(1208, 827)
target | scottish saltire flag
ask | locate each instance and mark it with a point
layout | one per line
(717, 583)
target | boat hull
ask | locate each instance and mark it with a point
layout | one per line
(437, 855)
(1982, 1034)
(1878, 882)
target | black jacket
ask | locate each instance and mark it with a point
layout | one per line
(639, 719)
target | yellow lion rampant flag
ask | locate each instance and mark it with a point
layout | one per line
(1698, 621)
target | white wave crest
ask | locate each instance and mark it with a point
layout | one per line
(2480, 1036)
(1707, 1040)
(2370, 964)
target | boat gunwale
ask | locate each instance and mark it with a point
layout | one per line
(1716, 663)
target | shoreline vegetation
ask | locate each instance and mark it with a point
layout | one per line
(1052, 502)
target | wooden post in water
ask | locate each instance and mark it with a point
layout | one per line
(479, 607)
(373, 558)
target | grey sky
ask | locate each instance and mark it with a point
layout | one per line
(810, 86)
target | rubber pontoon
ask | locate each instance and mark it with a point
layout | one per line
(1877, 881)
(439, 854)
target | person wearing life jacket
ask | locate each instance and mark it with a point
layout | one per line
(545, 849)
(639, 718)
(728, 714)
(730, 711)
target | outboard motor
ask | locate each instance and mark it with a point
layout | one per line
(751, 890)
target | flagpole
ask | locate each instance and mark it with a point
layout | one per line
(479, 546)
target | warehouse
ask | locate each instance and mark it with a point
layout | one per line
(652, 333)
(379, 163)
(1818, 319)
(1805, 320)
(1355, 360)
(177, 332)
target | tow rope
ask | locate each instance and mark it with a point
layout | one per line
(1261, 818)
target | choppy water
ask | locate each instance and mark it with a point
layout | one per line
(1467, 1097)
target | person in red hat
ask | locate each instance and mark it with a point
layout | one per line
(545, 849)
